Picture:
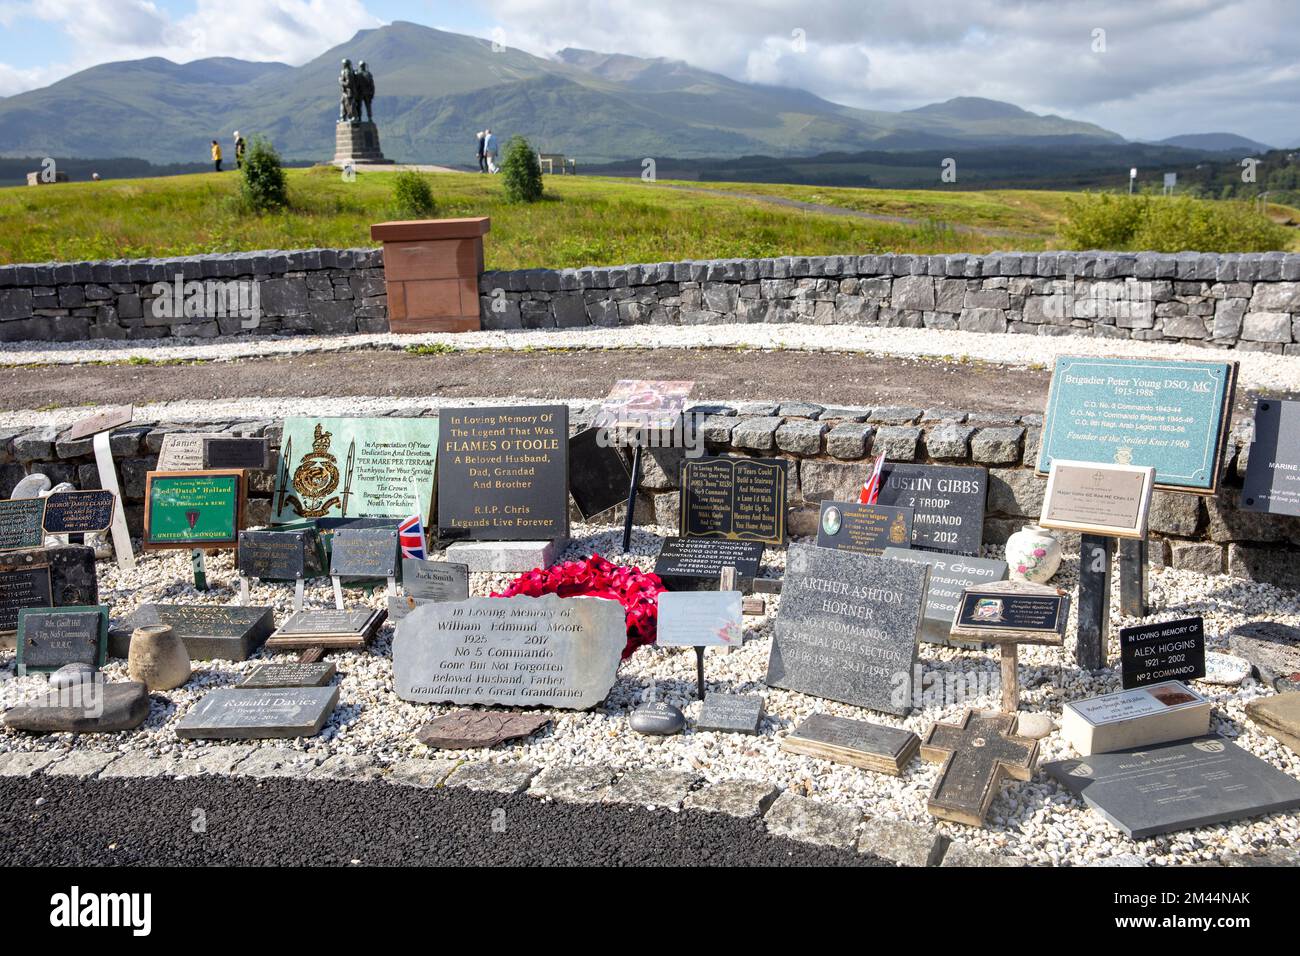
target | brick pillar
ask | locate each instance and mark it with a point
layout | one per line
(431, 270)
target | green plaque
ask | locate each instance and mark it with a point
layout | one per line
(49, 638)
(355, 468)
(193, 509)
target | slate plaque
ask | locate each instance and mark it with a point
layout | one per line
(328, 622)
(1171, 415)
(1154, 653)
(848, 627)
(209, 631)
(519, 651)
(229, 451)
(695, 564)
(193, 509)
(947, 503)
(700, 619)
(273, 555)
(48, 638)
(79, 512)
(435, 580)
(181, 451)
(1273, 470)
(292, 674)
(950, 574)
(241, 713)
(364, 553)
(599, 478)
(867, 529)
(730, 713)
(1177, 786)
(23, 587)
(1007, 611)
(739, 499)
(858, 743)
(21, 523)
(503, 473)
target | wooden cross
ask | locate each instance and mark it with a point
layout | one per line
(977, 755)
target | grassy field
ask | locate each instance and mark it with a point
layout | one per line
(582, 221)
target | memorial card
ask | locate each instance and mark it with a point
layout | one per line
(364, 553)
(738, 499)
(1171, 415)
(867, 529)
(950, 575)
(700, 619)
(189, 509)
(355, 468)
(947, 503)
(79, 512)
(274, 555)
(1273, 470)
(21, 523)
(1165, 651)
(503, 473)
(599, 478)
(695, 564)
(1110, 500)
(49, 638)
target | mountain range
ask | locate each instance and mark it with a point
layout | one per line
(436, 88)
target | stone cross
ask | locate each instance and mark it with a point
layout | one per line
(977, 755)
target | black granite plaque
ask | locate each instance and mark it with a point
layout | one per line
(79, 512)
(947, 503)
(1154, 653)
(695, 564)
(1005, 611)
(59, 576)
(739, 499)
(49, 638)
(329, 622)
(435, 580)
(20, 523)
(950, 575)
(731, 713)
(848, 627)
(503, 473)
(292, 674)
(20, 588)
(246, 713)
(1162, 788)
(1273, 471)
(209, 631)
(364, 553)
(273, 555)
(599, 478)
(867, 529)
(223, 451)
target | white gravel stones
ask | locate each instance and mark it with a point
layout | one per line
(1035, 726)
(504, 778)
(813, 821)
(420, 772)
(81, 764)
(738, 798)
(902, 842)
(652, 788)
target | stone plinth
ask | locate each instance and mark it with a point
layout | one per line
(431, 272)
(357, 144)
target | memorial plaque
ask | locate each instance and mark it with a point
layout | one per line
(643, 407)
(23, 587)
(79, 512)
(503, 473)
(273, 555)
(241, 713)
(950, 575)
(435, 580)
(1153, 653)
(848, 627)
(739, 499)
(976, 757)
(189, 509)
(947, 503)
(49, 638)
(209, 631)
(1273, 470)
(327, 628)
(364, 553)
(21, 523)
(355, 468)
(857, 743)
(599, 478)
(292, 674)
(181, 451)
(1171, 415)
(867, 529)
(1098, 499)
(1177, 786)
(1139, 717)
(519, 651)
(994, 610)
(101, 421)
(232, 451)
(730, 713)
(695, 564)
(472, 729)
(700, 619)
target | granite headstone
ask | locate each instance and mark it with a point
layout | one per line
(947, 503)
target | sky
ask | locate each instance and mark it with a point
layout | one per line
(1144, 68)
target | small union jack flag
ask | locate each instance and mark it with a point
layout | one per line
(871, 487)
(410, 536)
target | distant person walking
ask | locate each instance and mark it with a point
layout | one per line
(490, 150)
(482, 159)
(240, 148)
(216, 156)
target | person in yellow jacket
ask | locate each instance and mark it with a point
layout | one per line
(216, 155)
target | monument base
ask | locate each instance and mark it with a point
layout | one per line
(513, 556)
(357, 144)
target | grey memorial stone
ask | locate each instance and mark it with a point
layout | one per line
(1177, 786)
(947, 503)
(435, 580)
(519, 651)
(210, 632)
(71, 675)
(950, 574)
(1272, 648)
(291, 674)
(731, 713)
(858, 743)
(239, 713)
(49, 638)
(88, 708)
(848, 627)
(657, 718)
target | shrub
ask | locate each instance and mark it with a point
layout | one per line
(412, 196)
(264, 185)
(1102, 220)
(522, 172)
(1169, 224)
